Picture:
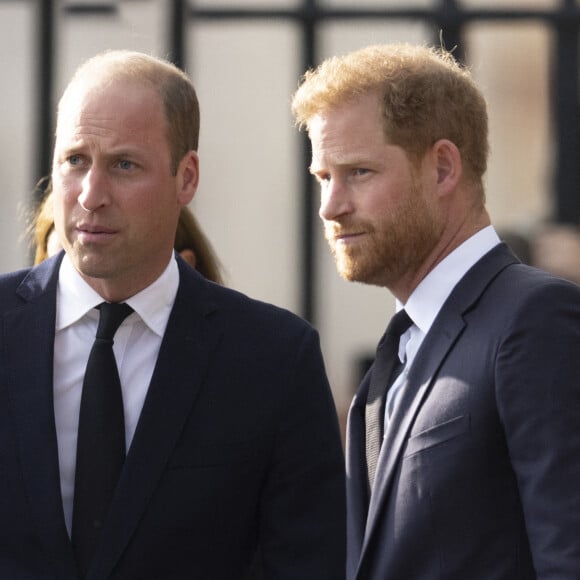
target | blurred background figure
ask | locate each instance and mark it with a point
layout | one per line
(550, 246)
(195, 247)
(556, 249)
(519, 244)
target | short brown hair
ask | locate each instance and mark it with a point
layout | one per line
(426, 96)
(180, 103)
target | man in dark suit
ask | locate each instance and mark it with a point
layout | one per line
(233, 455)
(478, 475)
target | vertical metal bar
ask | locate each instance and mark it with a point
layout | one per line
(308, 222)
(177, 33)
(566, 119)
(44, 96)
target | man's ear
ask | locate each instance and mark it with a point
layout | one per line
(188, 177)
(448, 163)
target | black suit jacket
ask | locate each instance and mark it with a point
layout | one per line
(479, 474)
(237, 446)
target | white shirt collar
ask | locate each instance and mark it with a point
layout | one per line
(427, 299)
(75, 298)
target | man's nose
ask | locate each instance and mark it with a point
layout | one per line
(335, 200)
(94, 189)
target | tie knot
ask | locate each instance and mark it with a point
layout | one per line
(399, 323)
(111, 316)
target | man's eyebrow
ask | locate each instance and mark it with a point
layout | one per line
(354, 161)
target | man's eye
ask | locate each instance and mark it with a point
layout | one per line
(360, 171)
(125, 164)
(74, 160)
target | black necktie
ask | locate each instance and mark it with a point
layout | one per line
(101, 437)
(383, 375)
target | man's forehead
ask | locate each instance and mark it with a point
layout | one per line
(83, 98)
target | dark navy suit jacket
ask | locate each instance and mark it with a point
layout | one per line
(479, 475)
(237, 446)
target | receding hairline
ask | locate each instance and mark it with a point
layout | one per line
(117, 65)
(175, 89)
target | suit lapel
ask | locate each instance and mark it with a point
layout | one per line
(28, 349)
(440, 339)
(185, 353)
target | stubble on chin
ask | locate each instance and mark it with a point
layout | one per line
(90, 264)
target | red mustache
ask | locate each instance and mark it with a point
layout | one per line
(334, 230)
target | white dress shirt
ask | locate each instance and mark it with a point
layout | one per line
(428, 298)
(136, 347)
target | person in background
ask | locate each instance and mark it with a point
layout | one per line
(199, 430)
(555, 247)
(463, 439)
(190, 241)
(44, 241)
(195, 248)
